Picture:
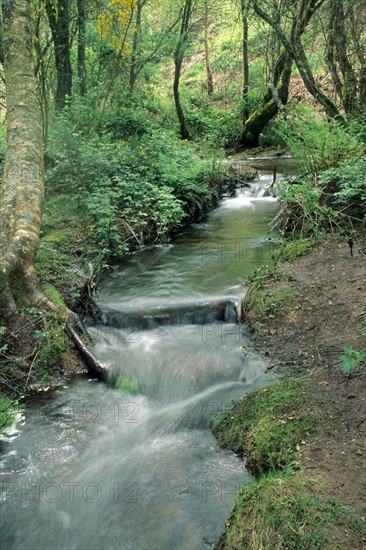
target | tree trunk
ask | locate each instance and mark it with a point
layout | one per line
(244, 11)
(295, 49)
(349, 89)
(61, 39)
(81, 47)
(184, 133)
(21, 194)
(257, 122)
(356, 16)
(178, 62)
(136, 32)
(209, 78)
(259, 119)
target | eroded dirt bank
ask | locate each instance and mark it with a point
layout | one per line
(325, 314)
(302, 315)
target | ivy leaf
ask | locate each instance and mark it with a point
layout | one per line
(348, 363)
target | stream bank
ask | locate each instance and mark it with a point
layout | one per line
(304, 438)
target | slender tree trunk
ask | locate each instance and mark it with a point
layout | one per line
(135, 42)
(362, 87)
(61, 39)
(209, 77)
(349, 89)
(178, 106)
(178, 62)
(81, 47)
(356, 17)
(21, 193)
(244, 12)
(296, 50)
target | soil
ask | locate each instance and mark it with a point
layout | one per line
(326, 315)
(20, 375)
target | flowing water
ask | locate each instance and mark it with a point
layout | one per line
(94, 467)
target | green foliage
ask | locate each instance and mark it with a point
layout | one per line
(7, 409)
(51, 342)
(133, 190)
(351, 359)
(261, 275)
(318, 145)
(5, 346)
(345, 187)
(215, 128)
(267, 427)
(336, 199)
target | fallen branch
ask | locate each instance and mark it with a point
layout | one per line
(95, 367)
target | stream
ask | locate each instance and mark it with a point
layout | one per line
(94, 467)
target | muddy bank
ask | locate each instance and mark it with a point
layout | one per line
(302, 314)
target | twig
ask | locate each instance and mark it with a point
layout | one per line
(30, 369)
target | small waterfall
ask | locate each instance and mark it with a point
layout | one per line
(225, 310)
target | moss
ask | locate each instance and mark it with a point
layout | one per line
(54, 295)
(283, 511)
(127, 384)
(281, 508)
(292, 250)
(257, 122)
(270, 425)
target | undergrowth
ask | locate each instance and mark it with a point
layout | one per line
(282, 511)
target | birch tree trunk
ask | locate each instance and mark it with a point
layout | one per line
(21, 192)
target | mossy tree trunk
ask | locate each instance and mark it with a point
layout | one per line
(178, 62)
(258, 120)
(21, 192)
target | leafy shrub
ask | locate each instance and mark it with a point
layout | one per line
(345, 185)
(133, 190)
(318, 145)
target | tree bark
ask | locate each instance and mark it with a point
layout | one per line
(356, 16)
(136, 32)
(81, 47)
(21, 193)
(244, 13)
(178, 62)
(59, 24)
(295, 49)
(209, 75)
(349, 89)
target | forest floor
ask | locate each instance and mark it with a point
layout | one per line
(302, 315)
(324, 313)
